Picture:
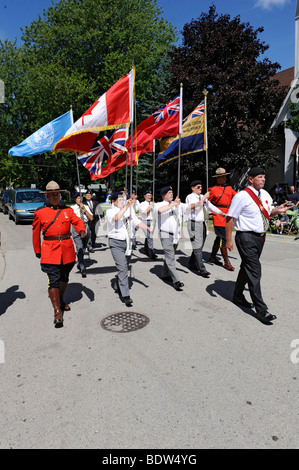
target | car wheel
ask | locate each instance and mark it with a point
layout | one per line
(9, 216)
(16, 220)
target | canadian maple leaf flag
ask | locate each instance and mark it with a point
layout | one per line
(112, 110)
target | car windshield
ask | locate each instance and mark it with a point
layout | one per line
(30, 196)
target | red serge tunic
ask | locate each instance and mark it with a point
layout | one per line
(221, 197)
(55, 251)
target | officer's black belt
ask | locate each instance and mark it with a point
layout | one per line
(222, 205)
(254, 233)
(58, 237)
(168, 233)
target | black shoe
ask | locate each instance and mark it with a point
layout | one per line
(205, 274)
(242, 302)
(178, 285)
(153, 256)
(115, 286)
(83, 273)
(192, 267)
(91, 250)
(265, 317)
(128, 301)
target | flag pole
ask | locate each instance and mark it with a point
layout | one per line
(132, 131)
(154, 167)
(136, 180)
(131, 166)
(180, 135)
(131, 162)
(205, 92)
(126, 182)
(77, 165)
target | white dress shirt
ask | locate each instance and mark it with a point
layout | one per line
(146, 216)
(77, 209)
(246, 213)
(170, 221)
(136, 206)
(89, 204)
(117, 228)
(199, 214)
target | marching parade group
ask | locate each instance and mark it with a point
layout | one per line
(247, 211)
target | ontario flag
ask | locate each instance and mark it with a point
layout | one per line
(113, 109)
(109, 155)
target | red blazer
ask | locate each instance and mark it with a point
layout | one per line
(221, 197)
(55, 251)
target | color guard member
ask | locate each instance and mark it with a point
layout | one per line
(82, 211)
(169, 214)
(97, 213)
(197, 226)
(146, 213)
(249, 214)
(121, 222)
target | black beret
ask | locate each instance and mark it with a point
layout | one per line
(195, 183)
(165, 190)
(148, 191)
(256, 171)
(88, 191)
(76, 195)
(115, 195)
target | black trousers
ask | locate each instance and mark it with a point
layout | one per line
(57, 273)
(250, 247)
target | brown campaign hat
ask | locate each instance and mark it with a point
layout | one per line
(53, 186)
(220, 172)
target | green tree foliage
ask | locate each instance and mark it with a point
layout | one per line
(224, 56)
(71, 56)
(293, 122)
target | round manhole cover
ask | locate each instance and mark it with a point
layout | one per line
(124, 322)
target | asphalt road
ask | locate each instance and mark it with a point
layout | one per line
(201, 374)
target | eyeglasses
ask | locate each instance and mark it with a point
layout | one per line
(198, 187)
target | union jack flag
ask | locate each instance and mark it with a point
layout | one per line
(103, 150)
(198, 111)
(169, 109)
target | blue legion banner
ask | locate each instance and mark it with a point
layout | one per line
(43, 139)
(192, 138)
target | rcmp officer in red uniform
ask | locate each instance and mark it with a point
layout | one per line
(56, 250)
(221, 196)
